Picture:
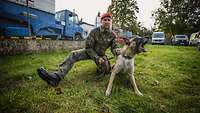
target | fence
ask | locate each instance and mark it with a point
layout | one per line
(21, 46)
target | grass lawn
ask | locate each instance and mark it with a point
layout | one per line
(168, 76)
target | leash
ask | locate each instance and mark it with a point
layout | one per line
(110, 58)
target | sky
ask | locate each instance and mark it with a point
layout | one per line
(88, 9)
(145, 11)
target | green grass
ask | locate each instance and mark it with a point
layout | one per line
(168, 76)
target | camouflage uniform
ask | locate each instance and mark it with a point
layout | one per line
(98, 41)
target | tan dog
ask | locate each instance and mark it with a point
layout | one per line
(125, 62)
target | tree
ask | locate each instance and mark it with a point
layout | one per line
(124, 14)
(178, 16)
(193, 14)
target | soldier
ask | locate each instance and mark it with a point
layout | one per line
(97, 42)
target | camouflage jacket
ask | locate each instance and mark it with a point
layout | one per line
(98, 41)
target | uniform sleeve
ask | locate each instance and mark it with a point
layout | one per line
(114, 46)
(90, 44)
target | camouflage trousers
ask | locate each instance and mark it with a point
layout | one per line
(78, 55)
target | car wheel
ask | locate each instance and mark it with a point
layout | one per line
(78, 37)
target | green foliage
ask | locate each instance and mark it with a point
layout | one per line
(124, 14)
(178, 16)
(168, 76)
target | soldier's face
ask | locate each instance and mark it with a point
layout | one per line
(106, 22)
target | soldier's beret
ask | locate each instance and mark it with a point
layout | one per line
(109, 15)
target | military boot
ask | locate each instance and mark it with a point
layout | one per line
(52, 79)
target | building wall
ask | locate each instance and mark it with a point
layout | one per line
(44, 5)
(13, 47)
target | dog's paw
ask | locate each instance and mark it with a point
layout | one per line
(139, 93)
(107, 93)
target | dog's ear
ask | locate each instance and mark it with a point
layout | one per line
(132, 42)
(132, 39)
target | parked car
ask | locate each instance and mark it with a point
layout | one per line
(198, 41)
(158, 38)
(194, 38)
(180, 40)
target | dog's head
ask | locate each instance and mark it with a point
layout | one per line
(138, 44)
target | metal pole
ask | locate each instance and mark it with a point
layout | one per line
(73, 14)
(28, 19)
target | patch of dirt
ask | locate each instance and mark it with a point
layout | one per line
(10, 84)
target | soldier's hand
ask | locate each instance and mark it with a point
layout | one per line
(101, 60)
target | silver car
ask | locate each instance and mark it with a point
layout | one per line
(158, 38)
(180, 40)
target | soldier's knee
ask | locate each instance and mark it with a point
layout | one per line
(78, 55)
(77, 52)
(73, 55)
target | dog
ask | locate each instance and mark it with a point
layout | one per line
(125, 62)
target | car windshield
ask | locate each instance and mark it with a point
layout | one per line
(73, 18)
(180, 36)
(158, 35)
(193, 36)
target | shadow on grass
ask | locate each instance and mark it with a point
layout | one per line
(187, 99)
